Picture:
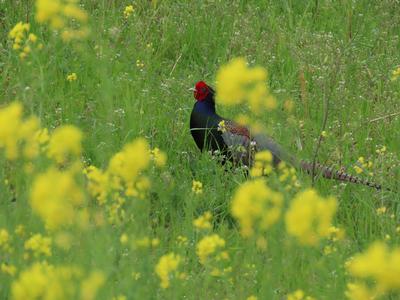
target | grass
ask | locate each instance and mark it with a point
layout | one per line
(317, 51)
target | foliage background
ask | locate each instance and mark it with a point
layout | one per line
(315, 51)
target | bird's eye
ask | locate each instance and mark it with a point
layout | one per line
(203, 90)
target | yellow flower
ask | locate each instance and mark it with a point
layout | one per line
(358, 291)
(203, 222)
(236, 83)
(309, 217)
(72, 77)
(10, 124)
(44, 281)
(98, 183)
(39, 245)
(159, 157)
(128, 11)
(251, 298)
(91, 285)
(254, 205)
(208, 246)
(54, 197)
(197, 187)
(380, 264)
(358, 169)
(262, 164)
(395, 74)
(8, 269)
(59, 14)
(381, 210)
(165, 266)
(134, 158)
(222, 126)
(65, 142)
(298, 295)
(124, 238)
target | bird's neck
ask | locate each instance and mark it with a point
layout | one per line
(207, 106)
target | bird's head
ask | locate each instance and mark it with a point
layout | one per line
(201, 91)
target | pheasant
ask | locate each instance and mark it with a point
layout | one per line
(235, 142)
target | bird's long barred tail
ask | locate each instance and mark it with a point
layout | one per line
(334, 174)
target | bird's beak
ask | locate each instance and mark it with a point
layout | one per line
(192, 90)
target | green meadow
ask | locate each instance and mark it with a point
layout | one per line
(330, 66)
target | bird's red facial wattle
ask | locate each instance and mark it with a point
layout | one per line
(201, 91)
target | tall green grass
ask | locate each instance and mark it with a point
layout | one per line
(317, 51)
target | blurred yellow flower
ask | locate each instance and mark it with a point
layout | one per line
(38, 245)
(44, 281)
(208, 246)
(256, 206)
(359, 291)
(203, 222)
(8, 269)
(128, 11)
(298, 295)
(98, 183)
(395, 74)
(380, 264)
(262, 164)
(72, 77)
(197, 187)
(65, 16)
(159, 157)
(237, 83)
(65, 142)
(91, 285)
(55, 196)
(165, 266)
(309, 217)
(128, 163)
(124, 238)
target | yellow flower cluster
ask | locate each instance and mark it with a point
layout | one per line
(395, 74)
(125, 168)
(8, 269)
(65, 144)
(222, 126)
(262, 164)
(380, 264)
(43, 281)
(55, 197)
(72, 77)
(5, 240)
(128, 11)
(359, 291)
(256, 206)
(60, 14)
(298, 295)
(288, 176)
(146, 242)
(197, 187)
(208, 246)
(98, 183)
(159, 157)
(237, 83)
(309, 217)
(204, 221)
(15, 132)
(167, 265)
(39, 245)
(123, 177)
(362, 165)
(23, 41)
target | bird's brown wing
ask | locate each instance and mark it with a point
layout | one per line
(238, 141)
